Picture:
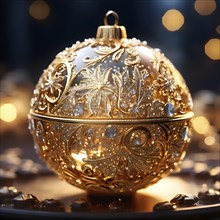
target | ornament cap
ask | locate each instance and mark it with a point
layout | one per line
(111, 32)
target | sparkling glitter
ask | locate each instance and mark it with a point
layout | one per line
(124, 105)
(145, 75)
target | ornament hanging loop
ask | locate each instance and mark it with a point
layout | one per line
(111, 32)
(114, 14)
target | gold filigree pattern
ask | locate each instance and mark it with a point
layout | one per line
(111, 156)
(56, 80)
(116, 50)
(95, 88)
(99, 91)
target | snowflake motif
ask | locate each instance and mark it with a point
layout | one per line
(49, 89)
(167, 81)
(96, 88)
(53, 82)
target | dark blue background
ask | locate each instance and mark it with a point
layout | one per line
(30, 44)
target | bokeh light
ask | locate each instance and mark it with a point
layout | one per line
(205, 7)
(39, 10)
(209, 140)
(201, 124)
(212, 49)
(173, 20)
(8, 112)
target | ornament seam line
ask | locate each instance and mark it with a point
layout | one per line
(109, 121)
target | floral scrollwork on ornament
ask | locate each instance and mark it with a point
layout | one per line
(108, 93)
(116, 50)
(133, 57)
(138, 151)
(136, 139)
(49, 88)
(96, 88)
(53, 84)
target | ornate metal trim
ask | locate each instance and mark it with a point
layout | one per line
(109, 121)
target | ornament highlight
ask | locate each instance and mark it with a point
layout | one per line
(111, 114)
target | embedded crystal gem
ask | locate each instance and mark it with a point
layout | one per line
(169, 109)
(175, 154)
(138, 138)
(133, 91)
(135, 108)
(184, 133)
(111, 132)
(90, 132)
(145, 75)
(78, 111)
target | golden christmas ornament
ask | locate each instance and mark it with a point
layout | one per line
(111, 114)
